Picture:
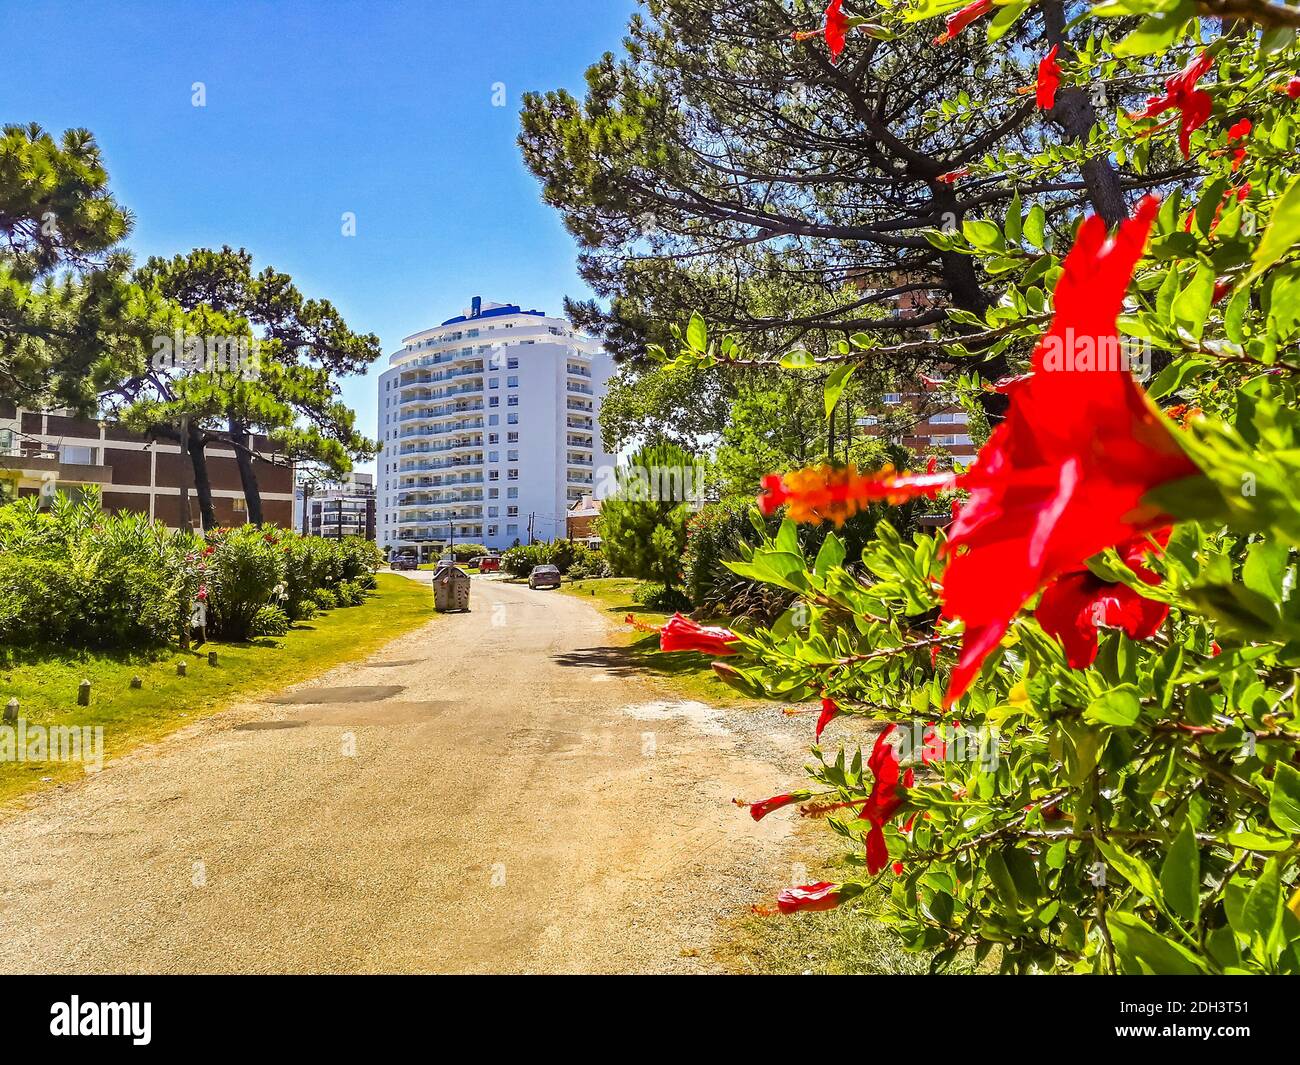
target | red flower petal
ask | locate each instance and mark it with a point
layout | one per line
(1049, 80)
(820, 896)
(829, 712)
(682, 634)
(959, 20)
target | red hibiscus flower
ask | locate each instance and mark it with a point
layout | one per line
(1076, 604)
(835, 29)
(1239, 132)
(759, 810)
(886, 798)
(1291, 88)
(952, 176)
(1047, 492)
(682, 634)
(821, 896)
(959, 20)
(1181, 94)
(829, 712)
(1049, 80)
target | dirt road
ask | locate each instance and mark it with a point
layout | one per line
(491, 793)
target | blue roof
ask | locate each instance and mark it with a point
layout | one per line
(495, 312)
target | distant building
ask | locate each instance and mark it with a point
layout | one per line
(135, 475)
(921, 419)
(488, 426)
(336, 509)
(581, 523)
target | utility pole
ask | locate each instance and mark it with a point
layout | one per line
(531, 515)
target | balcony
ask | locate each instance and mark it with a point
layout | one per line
(454, 427)
(578, 371)
(579, 441)
(580, 460)
(580, 389)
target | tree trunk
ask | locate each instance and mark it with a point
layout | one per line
(202, 484)
(1074, 113)
(247, 475)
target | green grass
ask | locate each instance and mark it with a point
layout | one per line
(688, 676)
(45, 684)
(433, 565)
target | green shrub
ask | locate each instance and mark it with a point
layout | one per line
(464, 552)
(270, 621)
(660, 597)
(325, 599)
(246, 568)
(73, 575)
(304, 611)
(350, 593)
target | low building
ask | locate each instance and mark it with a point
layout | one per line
(40, 450)
(922, 419)
(580, 522)
(337, 509)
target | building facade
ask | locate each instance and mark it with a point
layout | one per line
(489, 426)
(337, 509)
(40, 450)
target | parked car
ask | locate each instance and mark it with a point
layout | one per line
(489, 564)
(403, 560)
(544, 577)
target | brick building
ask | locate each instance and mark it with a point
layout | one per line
(134, 474)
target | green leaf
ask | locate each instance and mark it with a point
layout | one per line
(697, 333)
(1180, 875)
(1133, 869)
(1011, 224)
(1191, 306)
(1177, 375)
(1283, 230)
(1119, 706)
(996, 867)
(1284, 805)
(797, 360)
(1035, 225)
(1262, 910)
(835, 385)
(1143, 951)
(1157, 31)
(829, 556)
(1265, 568)
(982, 234)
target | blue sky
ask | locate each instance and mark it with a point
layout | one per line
(317, 108)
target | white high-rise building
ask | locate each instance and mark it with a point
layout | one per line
(489, 430)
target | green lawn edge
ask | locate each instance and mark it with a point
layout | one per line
(46, 686)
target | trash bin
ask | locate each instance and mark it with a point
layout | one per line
(450, 589)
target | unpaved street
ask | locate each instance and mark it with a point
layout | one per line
(492, 793)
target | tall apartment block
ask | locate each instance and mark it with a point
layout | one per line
(489, 430)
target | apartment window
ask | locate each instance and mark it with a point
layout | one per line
(494, 475)
(512, 475)
(893, 398)
(492, 511)
(512, 382)
(512, 456)
(77, 454)
(492, 530)
(512, 438)
(495, 438)
(512, 493)
(495, 419)
(493, 493)
(512, 401)
(495, 401)
(494, 456)
(494, 382)
(512, 530)
(511, 419)
(512, 512)
(512, 363)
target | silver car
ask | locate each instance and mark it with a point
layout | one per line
(544, 577)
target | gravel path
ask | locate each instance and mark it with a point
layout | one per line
(491, 793)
